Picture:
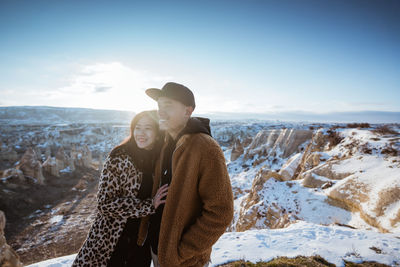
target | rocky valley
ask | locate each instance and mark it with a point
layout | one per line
(282, 174)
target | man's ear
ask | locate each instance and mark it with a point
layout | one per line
(189, 111)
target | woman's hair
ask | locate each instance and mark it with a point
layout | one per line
(129, 144)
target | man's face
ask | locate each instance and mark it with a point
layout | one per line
(173, 114)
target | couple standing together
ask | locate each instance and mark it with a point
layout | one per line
(164, 193)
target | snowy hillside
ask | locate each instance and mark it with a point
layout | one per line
(355, 182)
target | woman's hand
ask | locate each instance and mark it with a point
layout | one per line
(161, 193)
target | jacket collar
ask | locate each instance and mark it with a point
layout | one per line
(181, 140)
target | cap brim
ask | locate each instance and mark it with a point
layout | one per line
(154, 93)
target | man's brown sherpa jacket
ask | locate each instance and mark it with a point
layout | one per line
(199, 204)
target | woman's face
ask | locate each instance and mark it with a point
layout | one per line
(145, 133)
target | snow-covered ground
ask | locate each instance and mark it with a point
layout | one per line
(334, 243)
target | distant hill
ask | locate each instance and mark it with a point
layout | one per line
(301, 116)
(60, 115)
(51, 115)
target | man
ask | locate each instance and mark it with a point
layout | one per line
(199, 204)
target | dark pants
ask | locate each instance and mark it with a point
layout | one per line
(127, 252)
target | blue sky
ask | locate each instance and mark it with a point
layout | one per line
(237, 56)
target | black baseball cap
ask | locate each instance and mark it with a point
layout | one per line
(174, 91)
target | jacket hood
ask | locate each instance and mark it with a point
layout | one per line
(197, 125)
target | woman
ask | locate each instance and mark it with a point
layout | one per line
(124, 196)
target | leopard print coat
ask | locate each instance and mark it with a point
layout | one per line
(117, 201)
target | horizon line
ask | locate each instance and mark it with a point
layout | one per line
(216, 112)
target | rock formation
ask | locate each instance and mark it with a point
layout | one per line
(47, 152)
(8, 257)
(327, 170)
(101, 158)
(277, 143)
(31, 166)
(254, 213)
(13, 172)
(313, 180)
(237, 150)
(61, 159)
(347, 169)
(38, 153)
(354, 178)
(377, 205)
(312, 156)
(58, 163)
(50, 166)
(82, 157)
(289, 168)
(7, 154)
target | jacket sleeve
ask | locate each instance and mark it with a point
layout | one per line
(216, 195)
(110, 202)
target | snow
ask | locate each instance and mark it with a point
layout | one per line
(333, 243)
(321, 178)
(4, 179)
(244, 179)
(68, 168)
(56, 262)
(308, 204)
(56, 219)
(376, 172)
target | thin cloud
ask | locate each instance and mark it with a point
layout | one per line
(102, 89)
(112, 85)
(368, 103)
